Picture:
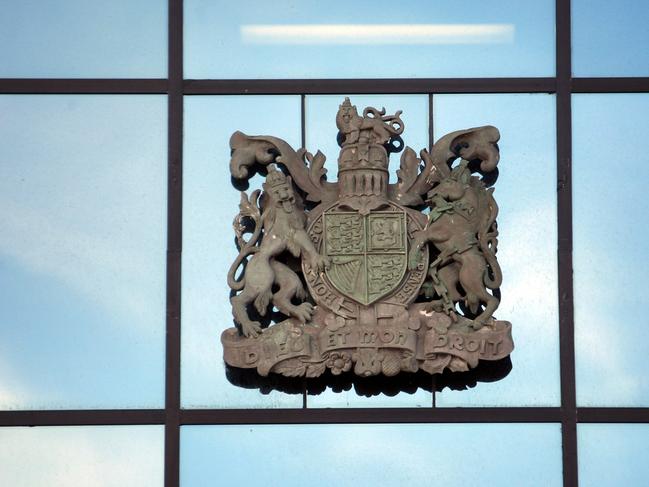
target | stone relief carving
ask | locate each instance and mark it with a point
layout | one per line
(364, 277)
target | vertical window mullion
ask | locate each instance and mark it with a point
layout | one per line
(564, 209)
(174, 243)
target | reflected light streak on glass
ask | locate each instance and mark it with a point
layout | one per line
(285, 39)
(378, 34)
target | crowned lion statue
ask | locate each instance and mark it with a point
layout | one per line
(279, 226)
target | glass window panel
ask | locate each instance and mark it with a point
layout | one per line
(373, 454)
(527, 223)
(610, 242)
(613, 454)
(64, 456)
(78, 38)
(82, 251)
(368, 39)
(610, 38)
(321, 132)
(210, 202)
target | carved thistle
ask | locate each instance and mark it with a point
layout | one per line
(362, 277)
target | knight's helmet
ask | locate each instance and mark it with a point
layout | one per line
(365, 142)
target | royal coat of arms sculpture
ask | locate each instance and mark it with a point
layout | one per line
(363, 277)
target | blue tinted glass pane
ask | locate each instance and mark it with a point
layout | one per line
(527, 224)
(610, 38)
(210, 202)
(106, 456)
(611, 455)
(78, 38)
(82, 251)
(611, 265)
(372, 454)
(376, 39)
(321, 134)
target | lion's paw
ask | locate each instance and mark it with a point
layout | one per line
(320, 262)
(251, 329)
(303, 312)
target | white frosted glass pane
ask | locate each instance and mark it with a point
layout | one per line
(527, 225)
(81, 38)
(368, 39)
(610, 248)
(610, 38)
(92, 456)
(82, 251)
(210, 202)
(373, 454)
(611, 455)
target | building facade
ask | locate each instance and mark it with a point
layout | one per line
(115, 240)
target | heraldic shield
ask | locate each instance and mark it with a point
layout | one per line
(367, 253)
(354, 274)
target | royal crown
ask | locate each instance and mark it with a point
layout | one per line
(366, 142)
(275, 177)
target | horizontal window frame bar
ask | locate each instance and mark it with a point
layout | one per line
(369, 86)
(610, 85)
(83, 86)
(369, 415)
(108, 417)
(612, 415)
(318, 86)
(83, 417)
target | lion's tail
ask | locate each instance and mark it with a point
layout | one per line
(237, 283)
(494, 280)
(248, 248)
(488, 241)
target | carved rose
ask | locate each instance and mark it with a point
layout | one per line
(339, 362)
(334, 322)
